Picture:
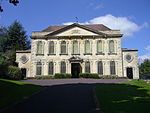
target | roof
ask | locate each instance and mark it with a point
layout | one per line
(96, 27)
(126, 50)
(23, 51)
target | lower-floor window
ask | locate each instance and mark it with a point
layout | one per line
(112, 68)
(51, 68)
(63, 67)
(39, 68)
(100, 67)
(87, 67)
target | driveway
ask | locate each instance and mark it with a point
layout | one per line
(61, 96)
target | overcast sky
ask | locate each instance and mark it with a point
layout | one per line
(132, 17)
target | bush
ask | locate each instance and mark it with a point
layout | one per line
(14, 73)
(44, 77)
(62, 75)
(88, 75)
(108, 77)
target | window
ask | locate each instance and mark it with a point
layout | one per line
(63, 47)
(63, 67)
(51, 47)
(87, 67)
(51, 68)
(87, 47)
(75, 47)
(100, 67)
(112, 68)
(111, 46)
(40, 47)
(39, 68)
(99, 46)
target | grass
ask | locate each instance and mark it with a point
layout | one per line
(12, 91)
(129, 97)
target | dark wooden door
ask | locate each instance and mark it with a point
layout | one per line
(75, 70)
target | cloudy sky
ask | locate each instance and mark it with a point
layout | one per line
(132, 17)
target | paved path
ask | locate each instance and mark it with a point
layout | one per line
(51, 82)
(65, 96)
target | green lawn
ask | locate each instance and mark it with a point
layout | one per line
(129, 97)
(12, 91)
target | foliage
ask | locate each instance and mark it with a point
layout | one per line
(14, 73)
(144, 68)
(11, 39)
(88, 75)
(3, 39)
(123, 97)
(16, 37)
(108, 77)
(62, 75)
(44, 77)
(13, 91)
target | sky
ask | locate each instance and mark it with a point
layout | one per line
(132, 17)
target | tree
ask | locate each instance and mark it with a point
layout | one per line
(3, 39)
(14, 2)
(17, 38)
(144, 68)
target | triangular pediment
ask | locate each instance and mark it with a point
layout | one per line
(75, 30)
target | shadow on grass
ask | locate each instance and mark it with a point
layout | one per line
(12, 91)
(123, 98)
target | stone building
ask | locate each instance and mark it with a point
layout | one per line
(76, 49)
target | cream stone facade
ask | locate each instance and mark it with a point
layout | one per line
(78, 49)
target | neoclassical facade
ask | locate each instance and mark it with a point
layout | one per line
(78, 49)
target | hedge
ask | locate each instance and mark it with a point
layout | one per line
(44, 77)
(62, 75)
(88, 75)
(14, 73)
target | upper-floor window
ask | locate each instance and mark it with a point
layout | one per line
(63, 47)
(51, 68)
(75, 48)
(99, 47)
(87, 47)
(40, 47)
(63, 67)
(87, 67)
(51, 47)
(100, 67)
(39, 68)
(111, 46)
(112, 68)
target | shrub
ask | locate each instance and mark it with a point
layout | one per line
(62, 75)
(44, 77)
(14, 73)
(108, 77)
(88, 75)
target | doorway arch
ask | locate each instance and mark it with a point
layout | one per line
(129, 71)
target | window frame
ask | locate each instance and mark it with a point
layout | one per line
(85, 48)
(38, 48)
(53, 47)
(112, 68)
(61, 49)
(63, 67)
(39, 66)
(87, 67)
(100, 67)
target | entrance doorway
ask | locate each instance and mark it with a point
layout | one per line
(75, 70)
(130, 73)
(24, 72)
